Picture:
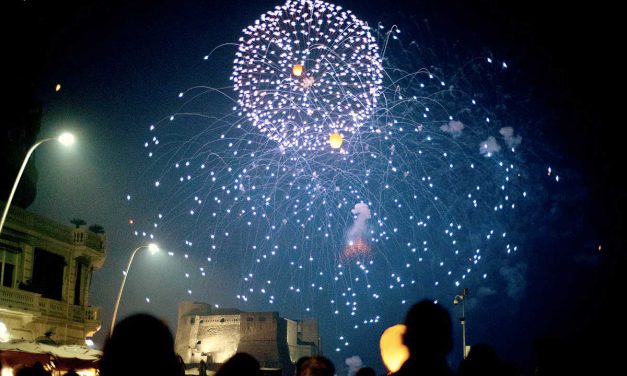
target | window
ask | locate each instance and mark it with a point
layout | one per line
(9, 258)
(48, 274)
(78, 290)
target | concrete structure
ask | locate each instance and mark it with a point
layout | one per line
(213, 335)
(45, 274)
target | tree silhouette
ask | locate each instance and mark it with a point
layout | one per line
(78, 222)
(97, 229)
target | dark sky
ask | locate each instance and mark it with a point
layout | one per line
(121, 65)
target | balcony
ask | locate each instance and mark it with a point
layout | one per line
(23, 220)
(32, 303)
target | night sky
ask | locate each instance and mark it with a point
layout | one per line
(121, 66)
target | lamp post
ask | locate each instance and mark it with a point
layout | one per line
(461, 298)
(65, 139)
(153, 248)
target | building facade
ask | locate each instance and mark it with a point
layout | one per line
(213, 335)
(45, 274)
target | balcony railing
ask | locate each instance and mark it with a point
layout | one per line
(19, 300)
(34, 303)
(48, 227)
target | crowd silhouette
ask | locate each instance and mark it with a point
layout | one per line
(142, 344)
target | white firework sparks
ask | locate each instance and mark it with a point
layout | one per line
(306, 70)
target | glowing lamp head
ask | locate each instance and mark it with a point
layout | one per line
(393, 352)
(153, 248)
(297, 70)
(335, 140)
(66, 138)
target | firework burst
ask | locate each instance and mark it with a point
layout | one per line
(418, 199)
(306, 70)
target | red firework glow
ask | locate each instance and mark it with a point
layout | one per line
(355, 248)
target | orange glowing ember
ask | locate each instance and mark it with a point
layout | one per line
(356, 248)
(297, 70)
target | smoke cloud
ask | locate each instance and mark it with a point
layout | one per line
(354, 363)
(453, 127)
(515, 280)
(508, 135)
(359, 226)
(489, 147)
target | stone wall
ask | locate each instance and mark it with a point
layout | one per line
(217, 338)
(259, 337)
(214, 335)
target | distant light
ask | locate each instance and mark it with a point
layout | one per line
(335, 140)
(57, 88)
(66, 138)
(297, 70)
(89, 342)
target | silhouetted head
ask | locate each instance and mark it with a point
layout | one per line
(240, 364)
(429, 331)
(366, 371)
(317, 366)
(299, 364)
(140, 344)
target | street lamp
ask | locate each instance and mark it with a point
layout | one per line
(462, 298)
(65, 138)
(153, 248)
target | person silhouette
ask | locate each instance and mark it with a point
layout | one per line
(428, 337)
(366, 371)
(317, 366)
(202, 368)
(37, 369)
(240, 364)
(140, 344)
(299, 364)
